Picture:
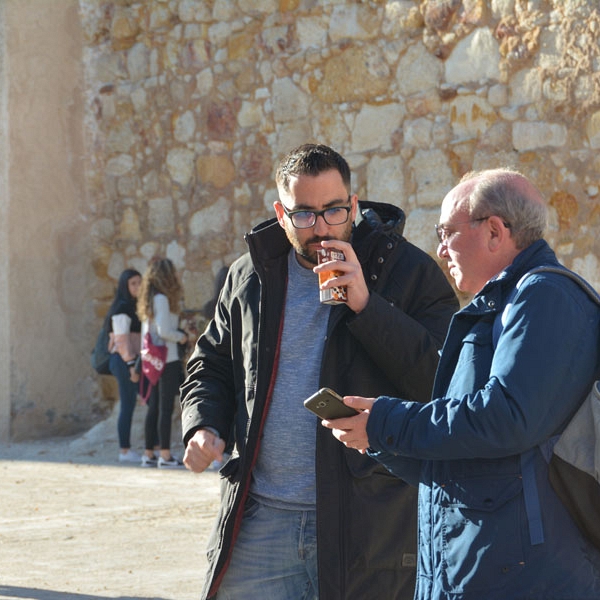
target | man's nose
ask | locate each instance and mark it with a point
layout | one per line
(320, 225)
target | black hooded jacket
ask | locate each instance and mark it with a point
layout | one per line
(366, 518)
(124, 302)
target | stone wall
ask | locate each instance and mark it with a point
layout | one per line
(191, 104)
(187, 105)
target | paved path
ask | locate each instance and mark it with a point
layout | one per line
(77, 525)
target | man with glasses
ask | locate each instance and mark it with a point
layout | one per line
(301, 516)
(517, 363)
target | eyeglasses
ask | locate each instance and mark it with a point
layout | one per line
(445, 232)
(303, 219)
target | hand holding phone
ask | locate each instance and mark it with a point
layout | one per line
(328, 405)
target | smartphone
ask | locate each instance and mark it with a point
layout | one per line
(328, 405)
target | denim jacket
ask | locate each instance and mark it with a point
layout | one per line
(493, 405)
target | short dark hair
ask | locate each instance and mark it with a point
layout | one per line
(311, 159)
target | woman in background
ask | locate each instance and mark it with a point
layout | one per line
(124, 346)
(158, 308)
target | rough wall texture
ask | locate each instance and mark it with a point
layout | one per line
(189, 104)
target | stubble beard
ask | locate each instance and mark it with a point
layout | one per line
(310, 256)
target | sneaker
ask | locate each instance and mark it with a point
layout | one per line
(129, 457)
(171, 463)
(148, 462)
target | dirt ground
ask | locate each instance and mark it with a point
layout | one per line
(75, 524)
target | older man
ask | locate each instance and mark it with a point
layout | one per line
(517, 362)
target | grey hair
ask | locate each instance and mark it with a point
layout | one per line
(511, 196)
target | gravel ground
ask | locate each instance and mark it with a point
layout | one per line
(75, 524)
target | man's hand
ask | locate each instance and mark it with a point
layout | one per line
(352, 275)
(352, 431)
(202, 449)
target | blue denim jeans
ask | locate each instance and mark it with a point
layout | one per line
(128, 398)
(274, 556)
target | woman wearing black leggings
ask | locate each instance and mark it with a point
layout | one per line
(158, 307)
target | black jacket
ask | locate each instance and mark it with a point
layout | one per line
(366, 518)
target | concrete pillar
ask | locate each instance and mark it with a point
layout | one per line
(4, 208)
(46, 384)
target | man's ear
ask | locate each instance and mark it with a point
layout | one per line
(498, 233)
(279, 212)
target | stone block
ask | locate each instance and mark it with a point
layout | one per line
(417, 70)
(289, 101)
(180, 164)
(433, 177)
(475, 58)
(353, 21)
(375, 125)
(385, 180)
(592, 130)
(161, 218)
(215, 170)
(533, 135)
(211, 220)
(370, 75)
(471, 116)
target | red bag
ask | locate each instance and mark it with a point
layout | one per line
(154, 359)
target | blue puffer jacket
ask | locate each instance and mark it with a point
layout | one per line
(465, 449)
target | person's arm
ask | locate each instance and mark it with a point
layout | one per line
(162, 318)
(542, 367)
(404, 329)
(352, 432)
(202, 449)
(124, 342)
(208, 393)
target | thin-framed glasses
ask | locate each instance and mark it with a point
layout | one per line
(445, 232)
(303, 219)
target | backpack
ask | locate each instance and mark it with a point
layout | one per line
(100, 355)
(573, 456)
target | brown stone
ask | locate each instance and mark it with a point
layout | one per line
(215, 170)
(370, 74)
(441, 15)
(239, 45)
(566, 208)
(288, 5)
(221, 123)
(124, 30)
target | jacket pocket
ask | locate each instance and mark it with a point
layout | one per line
(472, 368)
(231, 469)
(481, 532)
(362, 465)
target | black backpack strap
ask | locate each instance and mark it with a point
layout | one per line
(530, 492)
(590, 291)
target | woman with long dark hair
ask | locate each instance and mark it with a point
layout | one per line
(124, 346)
(158, 308)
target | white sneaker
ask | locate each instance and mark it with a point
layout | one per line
(148, 462)
(131, 456)
(171, 463)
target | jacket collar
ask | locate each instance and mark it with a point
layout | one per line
(495, 292)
